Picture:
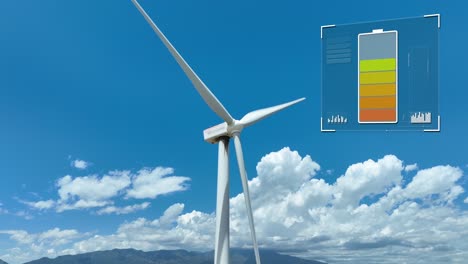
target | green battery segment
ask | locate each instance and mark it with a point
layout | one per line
(378, 77)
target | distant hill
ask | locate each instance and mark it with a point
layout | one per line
(2, 262)
(132, 256)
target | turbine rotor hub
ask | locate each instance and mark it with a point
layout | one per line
(235, 128)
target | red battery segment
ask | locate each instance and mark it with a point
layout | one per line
(378, 77)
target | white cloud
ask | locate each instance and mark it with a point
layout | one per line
(331, 220)
(466, 200)
(123, 210)
(90, 191)
(150, 183)
(92, 188)
(411, 167)
(171, 231)
(435, 180)
(36, 245)
(41, 205)
(93, 191)
(272, 170)
(194, 230)
(80, 164)
(171, 214)
(369, 214)
(80, 204)
(19, 236)
(367, 178)
(58, 237)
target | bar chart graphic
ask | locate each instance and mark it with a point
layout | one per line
(378, 77)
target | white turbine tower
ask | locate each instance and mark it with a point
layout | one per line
(222, 134)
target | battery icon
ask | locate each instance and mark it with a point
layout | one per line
(378, 77)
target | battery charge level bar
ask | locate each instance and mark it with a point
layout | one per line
(378, 77)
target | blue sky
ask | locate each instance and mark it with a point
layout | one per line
(89, 81)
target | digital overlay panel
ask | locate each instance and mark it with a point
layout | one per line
(381, 75)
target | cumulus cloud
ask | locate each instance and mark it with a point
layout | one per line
(281, 171)
(435, 180)
(80, 204)
(41, 205)
(466, 200)
(36, 245)
(91, 191)
(411, 167)
(150, 183)
(80, 164)
(94, 191)
(53, 236)
(172, 230)
(171, 214)
(365, 214)
(370, 213)
(365, 179)
(123, 210)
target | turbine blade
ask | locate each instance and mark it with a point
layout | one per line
(245, 186)
(202, 89)
(257, 115)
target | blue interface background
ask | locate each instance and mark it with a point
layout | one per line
(418, 68)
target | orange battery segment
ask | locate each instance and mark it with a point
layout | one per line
(377, 115)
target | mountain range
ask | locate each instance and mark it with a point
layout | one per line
(132, 256)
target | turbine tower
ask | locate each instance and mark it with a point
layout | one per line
(222, 134)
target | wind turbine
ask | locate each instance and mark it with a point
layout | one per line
(222, 134)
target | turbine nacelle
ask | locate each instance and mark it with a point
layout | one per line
(212, 134)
